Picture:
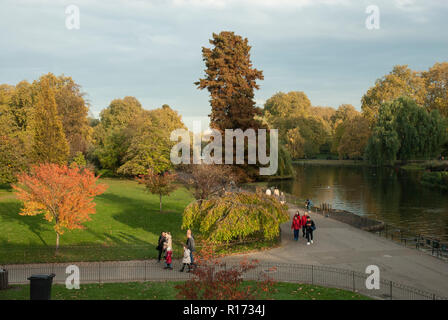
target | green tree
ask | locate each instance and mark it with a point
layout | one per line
(161, 184)
(405, 131)
(231, 81)
(49, 142)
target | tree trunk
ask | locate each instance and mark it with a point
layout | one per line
(57, 241)
(160, 203)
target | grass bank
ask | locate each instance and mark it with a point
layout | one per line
(126, 226)
(167, 291)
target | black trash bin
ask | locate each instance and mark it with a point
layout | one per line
(40, 286)
(3, 279)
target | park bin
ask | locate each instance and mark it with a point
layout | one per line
(40, 286)
(3, 279)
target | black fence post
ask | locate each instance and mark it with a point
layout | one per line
(312, 274)
(353, 279)
(390, 289)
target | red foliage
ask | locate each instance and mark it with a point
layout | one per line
(64, 195)
(215, 280)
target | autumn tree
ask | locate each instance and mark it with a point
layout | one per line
(161, 184)
(401, 81)
(436, 79)
(72, 108)
(231, 80)
(295, 143)
(63, 195)
(208, 180)
(288, 105)
(341, 118)
(354, 139)
(49, 142)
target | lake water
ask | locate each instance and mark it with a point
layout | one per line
(390, 195)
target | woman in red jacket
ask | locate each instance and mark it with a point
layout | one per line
(296, 225)
(303, 223)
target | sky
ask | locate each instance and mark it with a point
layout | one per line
(152, 49)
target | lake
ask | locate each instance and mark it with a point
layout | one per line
(390, 195)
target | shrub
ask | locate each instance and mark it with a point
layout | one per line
(215, 280)
(235, 216)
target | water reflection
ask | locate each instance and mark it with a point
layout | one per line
(387, 194)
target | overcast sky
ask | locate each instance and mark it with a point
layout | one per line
(152, 49)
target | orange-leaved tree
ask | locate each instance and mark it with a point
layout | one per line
(161, 184)
(63, 194)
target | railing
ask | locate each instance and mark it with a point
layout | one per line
(99, 272)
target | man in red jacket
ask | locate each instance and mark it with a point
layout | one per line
(296, 225)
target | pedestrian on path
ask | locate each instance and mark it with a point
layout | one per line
(310, 227)
(169, 251)
(169, 258)
(190, 245)
(296, 225)
(162, 239)
(186, 260)
(303, 223)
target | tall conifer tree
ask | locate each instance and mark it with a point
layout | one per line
(50, 144)
(231, 79)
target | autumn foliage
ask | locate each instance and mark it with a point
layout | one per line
(62, 194)
(216, 280)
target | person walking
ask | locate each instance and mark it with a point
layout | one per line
(169, 258)
(190, 245)
(296, 225)
(303, 223)
(162, 239)
(186, 260)
(169, 251)
(310, 227)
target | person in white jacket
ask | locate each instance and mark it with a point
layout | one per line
(186, 260)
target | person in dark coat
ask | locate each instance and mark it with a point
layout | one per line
(190, 245)
(310, 227)
(160, 248)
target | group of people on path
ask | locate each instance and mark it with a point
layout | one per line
(165, 248)
(276, 193)
(304, 223)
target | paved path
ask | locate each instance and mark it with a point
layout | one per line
(336, 244)
(340, 245)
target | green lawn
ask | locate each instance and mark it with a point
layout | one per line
(166, 291)
(126, 226)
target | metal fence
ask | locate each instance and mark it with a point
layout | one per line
(100, 272)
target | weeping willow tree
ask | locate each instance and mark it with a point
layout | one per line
(236, 216)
